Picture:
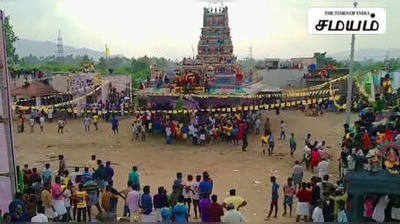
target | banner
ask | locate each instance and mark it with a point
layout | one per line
(347, 21)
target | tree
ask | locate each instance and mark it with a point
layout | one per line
(11, 37)
(323, 60)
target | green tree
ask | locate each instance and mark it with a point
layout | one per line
(323, 60)
(11, 37)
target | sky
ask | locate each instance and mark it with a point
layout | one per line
(170, 28)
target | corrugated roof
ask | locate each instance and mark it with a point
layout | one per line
(34, 89)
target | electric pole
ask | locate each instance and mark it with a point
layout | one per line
(350, 78)
(8, 172)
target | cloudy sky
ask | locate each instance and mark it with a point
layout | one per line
(169, 28)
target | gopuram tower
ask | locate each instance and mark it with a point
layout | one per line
(215, 45)
(215, 59)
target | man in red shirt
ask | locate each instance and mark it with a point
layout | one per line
(304, 197)
(215, 210)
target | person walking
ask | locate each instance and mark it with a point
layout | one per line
(274, 198)
(114, 125)
(292, 143)
(95, 121)
(60, 125)
(271, 144)
(86, 123)
(32, 124)
(245, 143)
(288, 192)
(283, 131)
(41, 123)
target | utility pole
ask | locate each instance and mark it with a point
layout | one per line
(8, 177)
(350, 78)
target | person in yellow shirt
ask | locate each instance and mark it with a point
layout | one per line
(387, 85)
(95, 120)
(81, 197)
(65, 178)
(237, 201)
(47, 202)
(387, 89)
(264, 141)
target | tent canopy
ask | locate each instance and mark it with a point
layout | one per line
(33, 89)
(360, 183)
(365, 182)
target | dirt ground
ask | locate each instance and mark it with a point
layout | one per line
(158, 163)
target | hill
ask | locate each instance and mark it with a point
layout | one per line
(26, 47)
(364, 54)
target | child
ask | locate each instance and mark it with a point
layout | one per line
(283, 131)
(257, 125)
(61, 124)
(32, 124)
(95, 120)
(81, 197)
(288, 191)
(41, 122)
(133, 126)
(271, 144)
(264, 141)
(67, 199)
(292, 143)
(143, 133)
(196, 196)
(202, 137)
(150, 128)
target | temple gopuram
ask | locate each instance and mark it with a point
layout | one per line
(215, 65)
(214, 68)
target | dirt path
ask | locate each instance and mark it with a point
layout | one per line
(158, 163)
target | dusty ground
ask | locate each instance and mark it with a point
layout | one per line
(158, 163)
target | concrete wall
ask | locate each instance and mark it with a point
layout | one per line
(281, 77)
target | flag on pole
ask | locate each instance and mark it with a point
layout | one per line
(107, 51)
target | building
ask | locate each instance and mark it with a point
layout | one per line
(302, 63)
(272, 63)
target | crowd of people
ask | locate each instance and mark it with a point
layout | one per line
(199, 128)
(40, 193)
(69, 195)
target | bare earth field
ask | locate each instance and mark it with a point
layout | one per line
(158, 163)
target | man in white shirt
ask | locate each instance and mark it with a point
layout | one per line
(32, 124)
(40, 216)
(317, 215)
(41, 121)
(323, 168)
(233, 215)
